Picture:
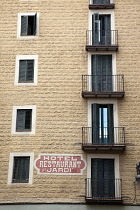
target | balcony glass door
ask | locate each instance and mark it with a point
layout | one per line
(102, 124)
(101, 67)
(101, 29)
(102, 178)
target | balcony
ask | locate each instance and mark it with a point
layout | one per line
(101, 4)
(106, 191)
(102, 86)
(101, 40)
(103, 138)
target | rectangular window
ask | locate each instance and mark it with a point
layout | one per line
(28, 25)
(21, 170)
(101, 1)
(102, 124)
(24, 120)
(26, 70)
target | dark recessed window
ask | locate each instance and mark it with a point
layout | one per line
(24, 120)
(28, 25)
(21, 169)
(101, 1)
(26, 71)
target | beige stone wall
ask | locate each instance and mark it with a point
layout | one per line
(61, 111)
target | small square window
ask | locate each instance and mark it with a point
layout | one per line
(21, 170)
(28, 25)
(26, 70)
(24, 119)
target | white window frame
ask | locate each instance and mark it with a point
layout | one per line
(114, 70)
(11, 167)
(14, 118)
(103, 101)
(105, 156)
(26, 57)
(19, 26)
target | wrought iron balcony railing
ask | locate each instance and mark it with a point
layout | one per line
(102, 84)
(102, 39)
(103, 136)
(101, 189)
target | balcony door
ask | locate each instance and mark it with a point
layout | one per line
(101, 68)
(102, 124)
(102, 178)
(101, 29)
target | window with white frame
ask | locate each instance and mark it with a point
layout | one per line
(20, 168)
(26, 70)
(103, 121)
(24, 119)
(28, 25)
(103, 177)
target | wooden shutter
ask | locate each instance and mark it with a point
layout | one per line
(97, 175)
(108, 30)
(103, 178)
(107, 71)
(24, 25)
(110, 123)
(97, 66)
(95, 123)
(21, 169)
(95, 29)
(35, 25)
(22, 70)
(28, 119)
(30, 70)
(20, 123)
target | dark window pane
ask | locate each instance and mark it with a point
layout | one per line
(21, 169)
(30, 25)
(28, 117)
(24, 119)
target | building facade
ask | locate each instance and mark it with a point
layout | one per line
(70, 104)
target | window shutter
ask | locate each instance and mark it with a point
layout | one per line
(24, 169)
(97, 175)
(97, 70)
(24, 25)
(28, 119)
(95, 123)
(30, 70)
(22, 70)
(109, 177)
(35, 25)
(21, 169)
(110, 123)
(107, 70)
(108, 30)
(95, 28)
(20, 120)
